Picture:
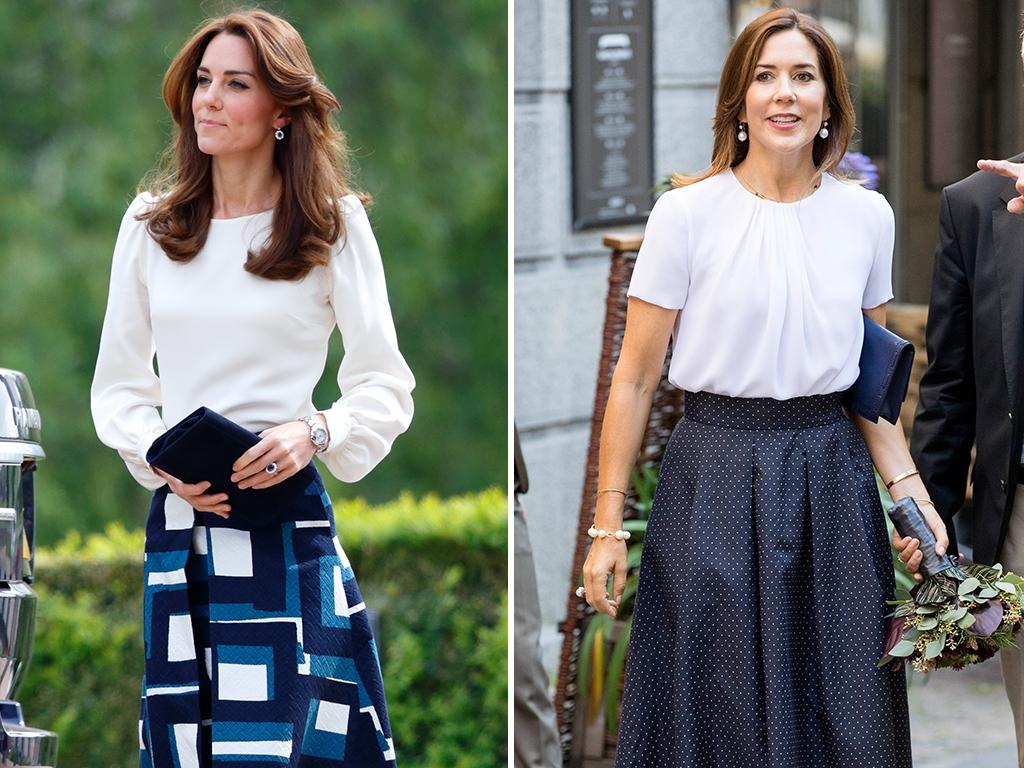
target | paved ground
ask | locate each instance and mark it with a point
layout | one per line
(974, 728)
(956, 719)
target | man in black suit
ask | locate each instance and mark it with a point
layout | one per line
(971, 393)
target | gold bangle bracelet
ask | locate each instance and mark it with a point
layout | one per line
(901, 476)
(610, 490)
(929, 502)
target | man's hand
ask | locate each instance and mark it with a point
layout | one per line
(1010, 170)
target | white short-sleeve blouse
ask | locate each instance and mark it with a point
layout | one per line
(250, 348)
(770, 293)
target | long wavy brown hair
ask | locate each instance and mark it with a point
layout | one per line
(312, 158)
(738, 73)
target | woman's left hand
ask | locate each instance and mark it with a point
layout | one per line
(288, 446)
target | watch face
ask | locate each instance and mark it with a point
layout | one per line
(319, 437)
(317, 434)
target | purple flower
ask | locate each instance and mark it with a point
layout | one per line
(894, 633)
(855, 165)
(988, 619)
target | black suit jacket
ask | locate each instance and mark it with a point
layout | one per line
(971, 391)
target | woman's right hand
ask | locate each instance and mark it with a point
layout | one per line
(636, 379)
(607, 557)
(195, 495)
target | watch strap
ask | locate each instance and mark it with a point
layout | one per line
(314, 428)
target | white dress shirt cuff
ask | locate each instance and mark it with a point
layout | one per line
(339, 424)
(140, 469)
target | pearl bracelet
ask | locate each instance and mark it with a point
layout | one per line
(601, 533)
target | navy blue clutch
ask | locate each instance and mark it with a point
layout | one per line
(885, 363)
(203, 446)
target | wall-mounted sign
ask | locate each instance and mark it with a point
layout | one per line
(611, 112)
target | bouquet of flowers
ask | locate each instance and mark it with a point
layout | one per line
(958, 615)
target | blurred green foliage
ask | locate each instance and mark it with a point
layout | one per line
(434, 570)
(423, 92)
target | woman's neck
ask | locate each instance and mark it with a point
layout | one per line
(782, 178)
(243, 188)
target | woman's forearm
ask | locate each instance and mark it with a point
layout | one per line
(622, 431)
(637, 376)
(887, 445)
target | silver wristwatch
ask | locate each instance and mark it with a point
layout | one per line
(317, 434)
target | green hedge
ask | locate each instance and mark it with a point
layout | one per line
(434, 569)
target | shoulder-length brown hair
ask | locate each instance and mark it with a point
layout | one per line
(738, 73)
(312, 158)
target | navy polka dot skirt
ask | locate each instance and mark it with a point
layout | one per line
(759, 616)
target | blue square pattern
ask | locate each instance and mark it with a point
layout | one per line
(160, 606)
(327, 592)
(251, 655)
(252, 734)
(174, 748)
(238, 610)
(317, 743)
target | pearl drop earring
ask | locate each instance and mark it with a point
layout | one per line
(742, 135)
(824, 130)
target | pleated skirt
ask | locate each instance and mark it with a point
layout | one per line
(759, 616)
(258, 648)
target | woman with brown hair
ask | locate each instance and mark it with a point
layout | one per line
(759, 616)
(233, 267)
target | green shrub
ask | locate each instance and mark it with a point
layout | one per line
(434, 569)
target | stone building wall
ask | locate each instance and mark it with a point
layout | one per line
(560, 275)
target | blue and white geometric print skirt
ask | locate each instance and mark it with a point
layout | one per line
(258, 648)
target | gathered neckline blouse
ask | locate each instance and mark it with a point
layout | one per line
(770, 294)
(756, 196)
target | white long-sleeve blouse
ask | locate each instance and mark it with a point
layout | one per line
(250, 348)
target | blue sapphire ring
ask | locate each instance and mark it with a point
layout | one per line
(271, 468)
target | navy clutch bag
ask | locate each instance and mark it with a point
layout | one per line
(203, 446)
(885, 363)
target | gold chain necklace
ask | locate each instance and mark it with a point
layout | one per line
(810, 191)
